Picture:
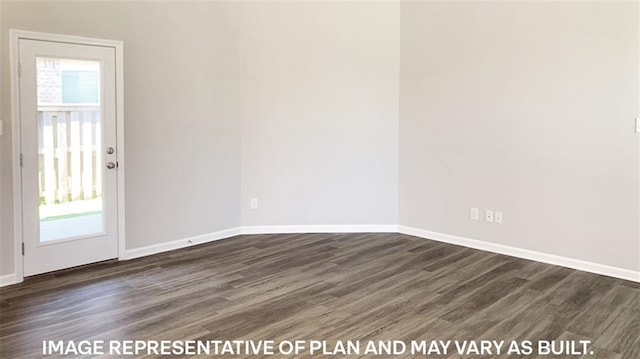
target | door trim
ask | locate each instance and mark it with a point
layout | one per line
(14, 38)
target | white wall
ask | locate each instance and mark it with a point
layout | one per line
(526, 108)
(319, 112)
(182, 134)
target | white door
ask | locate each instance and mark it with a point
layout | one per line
(68, 147)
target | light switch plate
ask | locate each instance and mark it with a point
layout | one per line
(638, 124)
(1, 128)
(474, 214)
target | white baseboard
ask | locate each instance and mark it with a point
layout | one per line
(525, 253)
(210, 237)
(8, 279)
(181, 243)
(383, 228)
(336, 228)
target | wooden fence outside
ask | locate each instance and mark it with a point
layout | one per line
(69, 140)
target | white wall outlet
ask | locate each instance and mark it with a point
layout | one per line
(497, 217)
(253, 204)
(474, 214)
(489, 216)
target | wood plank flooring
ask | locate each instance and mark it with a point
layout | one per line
(326, 287)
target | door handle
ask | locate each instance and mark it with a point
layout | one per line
(111, 165)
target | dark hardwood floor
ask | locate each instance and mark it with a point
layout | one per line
(325, 287)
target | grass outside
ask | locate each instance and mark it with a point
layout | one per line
(73, 209)
(70, 215)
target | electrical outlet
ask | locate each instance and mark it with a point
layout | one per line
(489, 216)
(253, 203)
(497, 217)
(474, 214)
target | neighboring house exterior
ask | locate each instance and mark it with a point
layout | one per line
(49, 81)
(62, 81)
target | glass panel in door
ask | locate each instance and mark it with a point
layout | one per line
(70, 173)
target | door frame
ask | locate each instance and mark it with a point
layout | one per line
(14, 42)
